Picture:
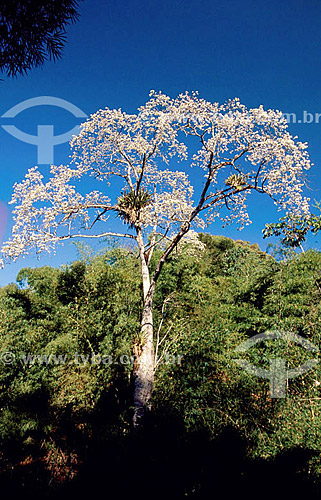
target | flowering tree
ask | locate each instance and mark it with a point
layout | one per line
(236, 150)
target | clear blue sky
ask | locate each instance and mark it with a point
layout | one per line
(264, 52)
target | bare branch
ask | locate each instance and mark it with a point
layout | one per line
(101, 235)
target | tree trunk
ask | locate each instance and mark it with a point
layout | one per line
(144, 349)
(144, 367)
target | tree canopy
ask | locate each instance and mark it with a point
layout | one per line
(32, 31)
(238, 150)
(294, 229)
(125, 165)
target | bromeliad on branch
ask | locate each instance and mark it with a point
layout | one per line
(130, 206)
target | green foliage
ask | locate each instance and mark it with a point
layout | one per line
(32, 32)
(205, 306)
(243, 297)
(294, 229)
(55, 314)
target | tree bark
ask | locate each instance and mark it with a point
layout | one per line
(144, 348)
(144, 367)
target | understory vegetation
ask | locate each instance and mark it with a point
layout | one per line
(66, 410)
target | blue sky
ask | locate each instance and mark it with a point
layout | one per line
(264, 52)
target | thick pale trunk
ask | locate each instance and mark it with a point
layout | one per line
(144, 349)
(144, 367)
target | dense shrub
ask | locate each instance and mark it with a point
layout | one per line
(53, 413)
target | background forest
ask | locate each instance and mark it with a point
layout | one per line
(66, 427)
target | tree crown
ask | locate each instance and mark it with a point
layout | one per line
(237, 150)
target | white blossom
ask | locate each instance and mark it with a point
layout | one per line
(236, 151)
